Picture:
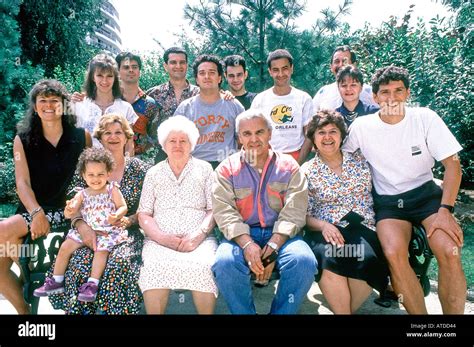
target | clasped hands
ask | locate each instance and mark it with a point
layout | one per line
(260, 261)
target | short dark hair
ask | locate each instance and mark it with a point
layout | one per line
(344, 48)
(208, 58)
(323, 118)
(128, 56)
(95, 155)
(349, 71)
(105, 62)
(389, 73)
(279, 54)
(174, 50)
(234, 60)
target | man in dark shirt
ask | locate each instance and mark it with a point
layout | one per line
(236, 74)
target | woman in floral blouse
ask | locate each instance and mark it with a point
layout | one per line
(119, 292)
(340, 219)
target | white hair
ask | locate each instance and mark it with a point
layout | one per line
(178, 124)
(251, 114)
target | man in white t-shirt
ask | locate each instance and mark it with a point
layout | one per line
(328, 96)
(401, 145)
(288, 109)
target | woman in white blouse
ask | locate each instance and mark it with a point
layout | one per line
(176, 214)
(103, 95)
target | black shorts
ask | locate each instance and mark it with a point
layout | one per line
(413, 206)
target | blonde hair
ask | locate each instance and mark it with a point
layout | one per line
(110, 118)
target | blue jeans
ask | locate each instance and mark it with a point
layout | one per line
(296, 264)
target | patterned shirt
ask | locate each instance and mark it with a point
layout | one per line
(165, 97)
(331, 196)
(147, 111)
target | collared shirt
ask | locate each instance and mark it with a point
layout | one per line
(242, 198)
(147, 111)
(329, 98)
(360, 110)
(331, 196)
(165, 97)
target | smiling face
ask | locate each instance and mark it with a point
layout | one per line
(327, 139)
(349, 89)
(340, 59)
(49, 108)
(255, 136)
(236, 77)
(129, 71)
(104, 80)
(281, 71)
(96, 175)
(113, 138)
(392, 98)
(177, 66)
(208, 76)
(177, 145)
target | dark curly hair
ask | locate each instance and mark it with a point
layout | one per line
(102, 62)
(208, 58)
(95, 155)
(386, 74)
(30, 126)
(323, 118)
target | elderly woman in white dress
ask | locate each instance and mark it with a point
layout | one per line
(176, 214)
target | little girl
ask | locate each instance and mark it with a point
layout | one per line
(101, 206)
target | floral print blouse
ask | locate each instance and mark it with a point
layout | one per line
(331, 196)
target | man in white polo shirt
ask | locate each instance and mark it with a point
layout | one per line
(401, 145)
(288, 109)
(328, 96)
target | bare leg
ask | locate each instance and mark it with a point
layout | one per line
(12, 231)
(65, 251)
(359, 291)
(99, 263)
(335, 289)
(394, 235)
(156, 300)
(204, 302)
(451, 278)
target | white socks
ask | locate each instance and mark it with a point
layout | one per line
(58, 278)
(93, 280)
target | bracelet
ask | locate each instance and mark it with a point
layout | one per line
(74, 221)
(35, 212)
(246, 244)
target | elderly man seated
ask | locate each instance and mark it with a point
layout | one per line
(259, 203)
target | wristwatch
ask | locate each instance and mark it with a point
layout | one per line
(273, 246)
(450, 208)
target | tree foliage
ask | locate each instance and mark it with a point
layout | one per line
(54, 33)
(252, 28)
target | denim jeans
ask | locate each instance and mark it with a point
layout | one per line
(296, 264)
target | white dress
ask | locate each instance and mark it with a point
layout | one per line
(178, 206)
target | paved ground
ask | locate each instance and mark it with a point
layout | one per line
(181, 303)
